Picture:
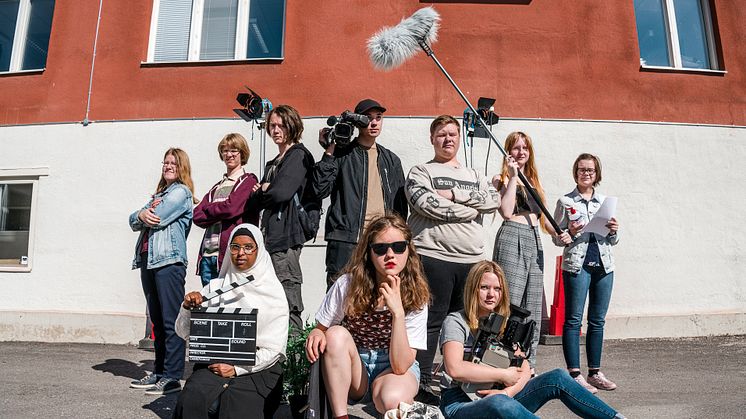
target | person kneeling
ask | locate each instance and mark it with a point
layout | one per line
(232, 391)
(518, 395)
(372, 321)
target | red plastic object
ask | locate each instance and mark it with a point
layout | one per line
(557, 311)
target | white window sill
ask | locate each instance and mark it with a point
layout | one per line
(682, 70)
(20, 72)
(207, 62)
(19, 268)
(24, 172)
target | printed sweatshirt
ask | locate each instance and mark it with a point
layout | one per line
(449, 230)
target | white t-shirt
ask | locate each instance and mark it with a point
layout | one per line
(331, 313)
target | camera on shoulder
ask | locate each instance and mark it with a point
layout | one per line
(343, 128)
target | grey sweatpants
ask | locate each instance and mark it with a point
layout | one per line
(287, 268)
(518, 251)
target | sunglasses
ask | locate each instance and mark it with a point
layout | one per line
(381, 248)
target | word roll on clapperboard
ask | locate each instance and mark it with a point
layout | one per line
(223, 335)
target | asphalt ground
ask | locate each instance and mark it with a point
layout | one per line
(678, 378)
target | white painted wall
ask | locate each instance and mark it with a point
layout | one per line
(679, 261)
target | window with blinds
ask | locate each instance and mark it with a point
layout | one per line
(215, 30)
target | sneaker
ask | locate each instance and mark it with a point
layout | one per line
(145, 382)
(164, 386)
(580, 380)
(425, 395)
(600, 381)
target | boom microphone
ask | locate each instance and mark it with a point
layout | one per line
(391, 46)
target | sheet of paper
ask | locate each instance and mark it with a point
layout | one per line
(598, 223)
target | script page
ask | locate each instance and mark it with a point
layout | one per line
(598, 222)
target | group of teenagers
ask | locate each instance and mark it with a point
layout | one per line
(406, 273)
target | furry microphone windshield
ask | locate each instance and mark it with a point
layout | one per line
(391, 46)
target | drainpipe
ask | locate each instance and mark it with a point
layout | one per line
(93, 64)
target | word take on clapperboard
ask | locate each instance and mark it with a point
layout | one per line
(223, 335)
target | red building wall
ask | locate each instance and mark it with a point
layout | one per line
(540, 58)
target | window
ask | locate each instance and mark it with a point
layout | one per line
(209, 30)
(25, 26)
(676, 34)
(17, 202)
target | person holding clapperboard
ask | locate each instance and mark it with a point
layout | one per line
(231, 391)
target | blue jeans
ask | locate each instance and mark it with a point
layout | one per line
(597, 284)
(376, 361)
(164, 293)
(555, 384)
(208, 269)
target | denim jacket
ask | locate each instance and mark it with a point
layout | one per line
(167, 240)
(574, 254)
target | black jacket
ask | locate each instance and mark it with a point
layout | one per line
(280, 224)
(344, 176)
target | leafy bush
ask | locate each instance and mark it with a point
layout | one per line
(296, 367)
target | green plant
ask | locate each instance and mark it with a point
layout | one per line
(296, 366)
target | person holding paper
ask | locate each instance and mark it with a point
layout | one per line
(587, 268)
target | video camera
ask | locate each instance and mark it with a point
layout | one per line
(492, 347)
(343, 128)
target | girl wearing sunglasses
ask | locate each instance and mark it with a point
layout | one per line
(373, 320)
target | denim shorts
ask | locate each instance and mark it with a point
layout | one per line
(375, 361)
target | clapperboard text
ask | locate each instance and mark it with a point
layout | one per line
(223, 335)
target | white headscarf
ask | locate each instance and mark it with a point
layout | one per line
(265, 293)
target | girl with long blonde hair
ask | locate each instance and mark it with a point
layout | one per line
(376, 312)
(514, 394)
(517, 244)
(160, 254)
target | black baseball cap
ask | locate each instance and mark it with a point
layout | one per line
(367, 104)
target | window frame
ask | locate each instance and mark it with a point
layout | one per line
(25, 177)
(674, 47)
(195, 35)
(19, 40)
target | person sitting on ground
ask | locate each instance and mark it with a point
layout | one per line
(373, 320)
(518, 395)
(232, 391)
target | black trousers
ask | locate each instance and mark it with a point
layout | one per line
(253, 396)
(338, 253)
(446, 280)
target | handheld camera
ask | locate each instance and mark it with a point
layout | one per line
(343, 128)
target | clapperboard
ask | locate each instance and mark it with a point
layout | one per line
(223, 335)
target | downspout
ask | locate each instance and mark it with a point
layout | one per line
(93, 64)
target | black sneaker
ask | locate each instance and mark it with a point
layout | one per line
(145, 382)
(425, 395)
(164, 386)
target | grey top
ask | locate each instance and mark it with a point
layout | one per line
(456, 329)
